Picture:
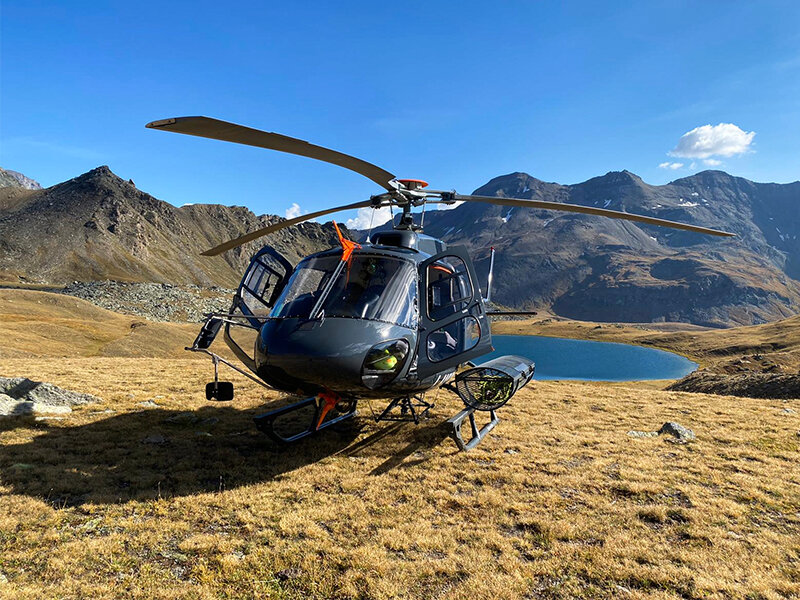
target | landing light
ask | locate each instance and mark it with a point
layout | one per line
(383, 363)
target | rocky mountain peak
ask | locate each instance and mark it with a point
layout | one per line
(614, 179)
(10, 178)
(513, 185)
(101, 176)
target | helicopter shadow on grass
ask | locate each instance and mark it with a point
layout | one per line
(155, 453)
(388, 441)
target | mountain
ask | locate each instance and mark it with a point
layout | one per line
(600, 269)
(99, 226)
(17, 180)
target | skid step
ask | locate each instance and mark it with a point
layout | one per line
(456, 423)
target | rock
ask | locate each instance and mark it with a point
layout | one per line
(643, 434)
(287, 574)
(149, 404)
(184, 418)
(679, 432)
(43, 394)
(11, 406)
(155, 438)
(3, 578)
(788, 411)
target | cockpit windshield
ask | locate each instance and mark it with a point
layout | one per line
(373, 287)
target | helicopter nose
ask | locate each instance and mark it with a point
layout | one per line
(314, 354)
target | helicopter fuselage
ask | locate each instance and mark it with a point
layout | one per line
(392, 319)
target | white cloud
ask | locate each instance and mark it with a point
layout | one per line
(725, 139)
(670, 165)
(294, 211)
(367, 215)
(712, 162)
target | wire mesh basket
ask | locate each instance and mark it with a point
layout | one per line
(490, 385)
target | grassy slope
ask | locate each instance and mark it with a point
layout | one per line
(557, 502)
(45, 324)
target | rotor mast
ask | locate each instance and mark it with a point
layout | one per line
(408, 194)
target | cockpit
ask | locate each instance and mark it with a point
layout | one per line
(367, 286)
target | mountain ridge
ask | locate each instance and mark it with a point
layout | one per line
(9, 178)
(609, 270)
(99, 226)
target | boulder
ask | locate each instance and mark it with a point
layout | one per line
(679, 432)
(22, 396)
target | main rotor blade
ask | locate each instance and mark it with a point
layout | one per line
(239, 134)
(253, 235)
(588, 210)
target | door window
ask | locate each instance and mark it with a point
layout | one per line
(449, 287)
(257, 287)
(454, 338)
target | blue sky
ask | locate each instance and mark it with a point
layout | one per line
(452, 92)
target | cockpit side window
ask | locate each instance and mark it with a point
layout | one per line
(303, 288)
(449, 287)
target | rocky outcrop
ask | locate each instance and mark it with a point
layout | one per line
(21, 396)
(155, 301)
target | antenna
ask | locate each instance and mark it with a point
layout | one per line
(491, 273)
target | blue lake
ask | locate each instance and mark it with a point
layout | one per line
(559, 358)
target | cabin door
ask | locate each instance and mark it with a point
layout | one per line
(261, 285)
(454, 327)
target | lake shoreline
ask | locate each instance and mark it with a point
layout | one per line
(570, 359)
(771, 347)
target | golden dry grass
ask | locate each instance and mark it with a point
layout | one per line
(38, 323)
(558, 502)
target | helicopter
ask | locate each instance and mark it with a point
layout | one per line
(391, 318)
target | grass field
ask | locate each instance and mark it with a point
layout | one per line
(156, 493)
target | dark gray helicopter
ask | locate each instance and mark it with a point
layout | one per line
(391, 318)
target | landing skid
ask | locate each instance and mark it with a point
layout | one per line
(322, 405)
(455, 423)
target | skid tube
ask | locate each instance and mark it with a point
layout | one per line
(323, 403)
(455, 424)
